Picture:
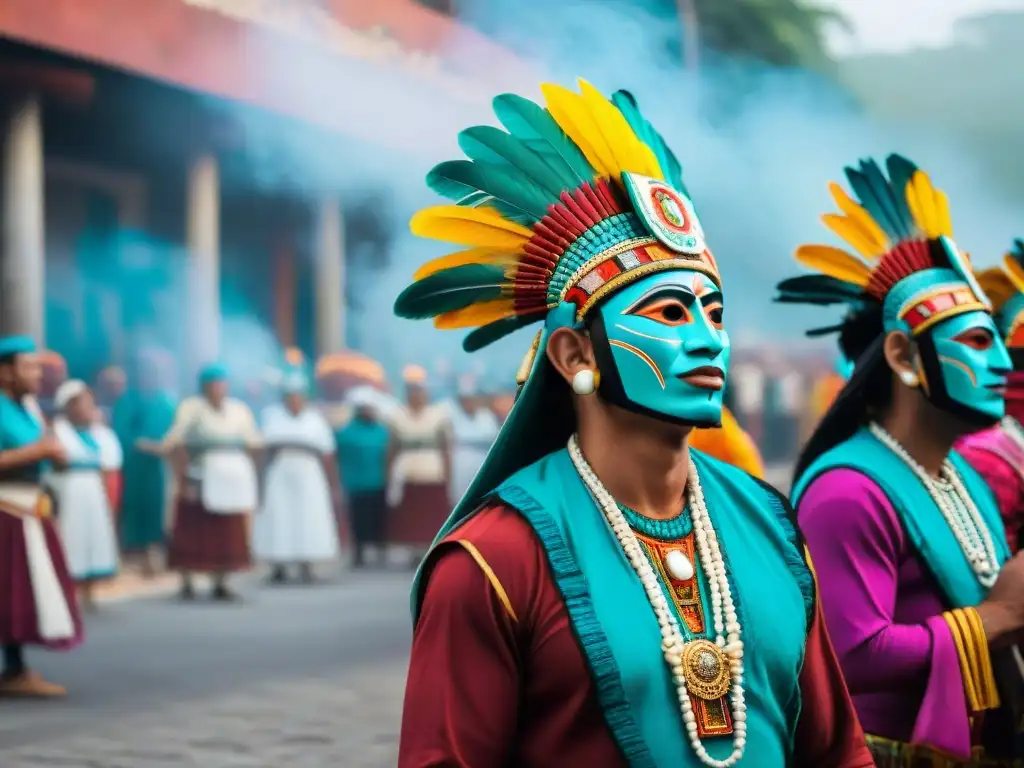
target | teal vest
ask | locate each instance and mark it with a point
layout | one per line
(926, 528)
(618, 631)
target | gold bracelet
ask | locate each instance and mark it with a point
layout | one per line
(966, 671)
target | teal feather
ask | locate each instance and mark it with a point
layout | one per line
(1017, 252)
(875, 195)
(819, 290)
(514, 196)
(487, 334)
(901, 173)
(626, 104)
(454, 189)
(535, 127)
(450, 290)
(886, 194)
(487, 144)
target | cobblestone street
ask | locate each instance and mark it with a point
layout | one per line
(296, 677)
(348, 720)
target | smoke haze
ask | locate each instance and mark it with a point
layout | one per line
(757, 144)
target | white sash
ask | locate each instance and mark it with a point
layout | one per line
(53, 615)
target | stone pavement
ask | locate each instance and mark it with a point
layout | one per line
(348, 719)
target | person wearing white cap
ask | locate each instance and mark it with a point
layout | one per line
(474, 429)
(84, 512)
(297, 523)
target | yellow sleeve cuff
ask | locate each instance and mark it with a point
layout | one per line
(975, 662)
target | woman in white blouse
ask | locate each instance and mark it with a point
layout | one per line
(212, 442)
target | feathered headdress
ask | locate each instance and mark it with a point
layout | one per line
(566, 204)
(1005, 287)
(904, 258)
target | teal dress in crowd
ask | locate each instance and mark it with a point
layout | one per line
(362, 455)
(147, 417)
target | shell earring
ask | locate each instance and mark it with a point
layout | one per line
(909, 378)
(585, 382)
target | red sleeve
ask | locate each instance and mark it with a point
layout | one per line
(463, 687)
(828, 732)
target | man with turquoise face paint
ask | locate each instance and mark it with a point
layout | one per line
(603, 595)
(917, 584)
(998, 453)
(662, 342)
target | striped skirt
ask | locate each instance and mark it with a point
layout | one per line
(204, 542)
(420, 514)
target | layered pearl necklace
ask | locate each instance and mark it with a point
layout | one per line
(1014, 430)
(710, 669)
(957, 507)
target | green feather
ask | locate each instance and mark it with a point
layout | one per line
(876, 196)
(450, 290)
(514, 196)
(901, 172)
(626, 104)
(487, 144)
(534, 126)
(486, 334)
(1017, 252)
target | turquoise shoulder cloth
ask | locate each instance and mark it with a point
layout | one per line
(922, 519)
(617, 629)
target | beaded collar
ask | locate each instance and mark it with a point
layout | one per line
(673, 529)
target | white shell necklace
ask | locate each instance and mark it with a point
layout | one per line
(957, 507)
(708, 670)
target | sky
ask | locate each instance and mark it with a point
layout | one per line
(897, 25)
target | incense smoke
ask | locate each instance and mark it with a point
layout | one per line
(758, 146)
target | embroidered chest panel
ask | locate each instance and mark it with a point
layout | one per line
(685, 594)
(713, 716)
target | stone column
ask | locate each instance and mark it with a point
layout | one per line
(204, 260)
(23, 258)
(330, 278)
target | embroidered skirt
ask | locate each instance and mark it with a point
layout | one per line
(419, 515)
(208, 543)
(19, 614)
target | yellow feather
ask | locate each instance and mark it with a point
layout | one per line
(945, 221)
(481, 227)
(997, 285)
(630, 153)
(1015, 272)
(852, 233)
(488, 256)
(573, 117)
(914, 204)
(856, 213)
(926, 215)
(476, 315)
(835, 263)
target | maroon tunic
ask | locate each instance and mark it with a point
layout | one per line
(495, 683)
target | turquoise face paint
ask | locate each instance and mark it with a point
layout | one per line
(972, 362)
(662, 337)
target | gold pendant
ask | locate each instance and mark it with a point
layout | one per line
(708, 676)
(706, 670)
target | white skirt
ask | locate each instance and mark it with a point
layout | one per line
(297, 522)
(86, 525)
